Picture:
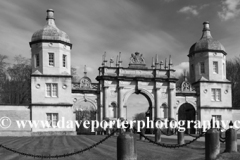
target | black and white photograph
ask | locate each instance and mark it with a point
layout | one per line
(120, 79)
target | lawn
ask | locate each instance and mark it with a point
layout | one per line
(56, 145)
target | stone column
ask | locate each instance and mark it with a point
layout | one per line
(157, 106)
(120, 103)
(196, 118)
(105, 101)
(153, 112)
(171, 102)
(99, 108)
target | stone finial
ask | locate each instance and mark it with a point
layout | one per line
(111, 62)
(119, 60)
(184, 76)
(153, 66)
(104, 63)
(102, 60)
(50, 14)
(50, 18)
(206, 30)
(170, 62)
(161, 63)
(85, 71)
(206, 26)
(156, 61)
(165, 66)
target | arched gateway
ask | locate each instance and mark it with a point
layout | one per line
(186, 113)
(117, 84)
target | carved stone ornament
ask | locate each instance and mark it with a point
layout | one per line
(205, 91)
(186, 86)
(50, 44)
(38, 86)
(85, 82)
(64, 86)
(137, 58)
(75, 100)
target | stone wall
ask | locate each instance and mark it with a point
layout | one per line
(15, 112)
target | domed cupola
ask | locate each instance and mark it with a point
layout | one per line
(206, 43)
(50, 32)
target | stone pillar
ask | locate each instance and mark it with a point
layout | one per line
(212, 144)
(101, 113)
(157, 135)
(171, 102)
(120, 103)
(100, 110)
(105, 101)
(180, 137)
(126, 147)
(231, 140)
(157, 106)
(98, 114)
(153, 112)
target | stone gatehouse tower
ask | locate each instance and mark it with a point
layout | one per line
(51, 78)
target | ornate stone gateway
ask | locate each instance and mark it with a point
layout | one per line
(117, 83)
(85, 96)
(186, 102)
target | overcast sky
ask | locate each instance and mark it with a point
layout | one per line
(163, 27)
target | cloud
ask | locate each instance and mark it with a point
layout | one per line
(189, 10)
(204, 6)
(181, 67)
(229, 9)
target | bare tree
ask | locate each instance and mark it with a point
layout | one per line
(17, 88)
(74, 74)
(233, 74)
(3, 63)
(3, 73)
